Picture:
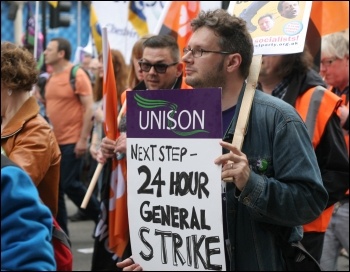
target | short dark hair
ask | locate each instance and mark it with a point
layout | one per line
(164, 41)
(64, 45)
(232, 32)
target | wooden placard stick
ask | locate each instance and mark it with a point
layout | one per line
(244, 112)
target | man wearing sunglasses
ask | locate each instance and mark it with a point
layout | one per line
(161, 69)
(160, 64)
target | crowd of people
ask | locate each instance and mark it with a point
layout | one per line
(298, 124)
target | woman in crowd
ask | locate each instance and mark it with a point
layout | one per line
(26, 137)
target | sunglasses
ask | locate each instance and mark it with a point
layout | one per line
(159, 67)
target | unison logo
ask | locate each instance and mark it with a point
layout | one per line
(183, 123)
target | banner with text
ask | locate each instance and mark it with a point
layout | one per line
(124, 22)
(277, 27)
(174, 187)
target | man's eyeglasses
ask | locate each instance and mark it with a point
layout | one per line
(159, 67)
(197, 53)
(328, 62)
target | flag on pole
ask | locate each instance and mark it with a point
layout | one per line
(175, 20)
(95, 30)
(30, 35)
(330, 17)
(118, 214)
(40, 62)
(137, 17)
(325, 18)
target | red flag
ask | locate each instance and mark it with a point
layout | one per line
(110, 99)
(175, 21)
(118, 225)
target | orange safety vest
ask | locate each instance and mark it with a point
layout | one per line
(315, 107)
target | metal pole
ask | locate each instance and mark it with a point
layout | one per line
(79, 24)
(36, 33)
(18, 24)
(43, 27)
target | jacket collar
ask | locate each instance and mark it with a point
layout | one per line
(301, 83)
(29, 110)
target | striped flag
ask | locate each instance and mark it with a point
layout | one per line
(95, 29)
(30, 35)
(137, 17)
(118, 214)
(175, 21)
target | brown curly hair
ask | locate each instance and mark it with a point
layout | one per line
(18, 68)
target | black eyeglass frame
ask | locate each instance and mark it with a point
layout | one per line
(158, 67)
(201, 51)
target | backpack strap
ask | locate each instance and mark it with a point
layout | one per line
(72, 75)
(59, 234)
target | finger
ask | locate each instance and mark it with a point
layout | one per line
(231, 147)
(132, 267)
(228, 166)
(226, 159)
(125, 263)
(138, 268)
(108, 142)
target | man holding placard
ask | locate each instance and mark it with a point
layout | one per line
(272, 184)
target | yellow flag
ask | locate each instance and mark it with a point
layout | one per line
(137, 17)
(53, 3)
(95, 30)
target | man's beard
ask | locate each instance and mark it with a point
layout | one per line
(209, 79)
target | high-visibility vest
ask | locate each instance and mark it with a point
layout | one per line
(315, 107)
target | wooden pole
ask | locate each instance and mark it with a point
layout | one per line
(91, 186)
